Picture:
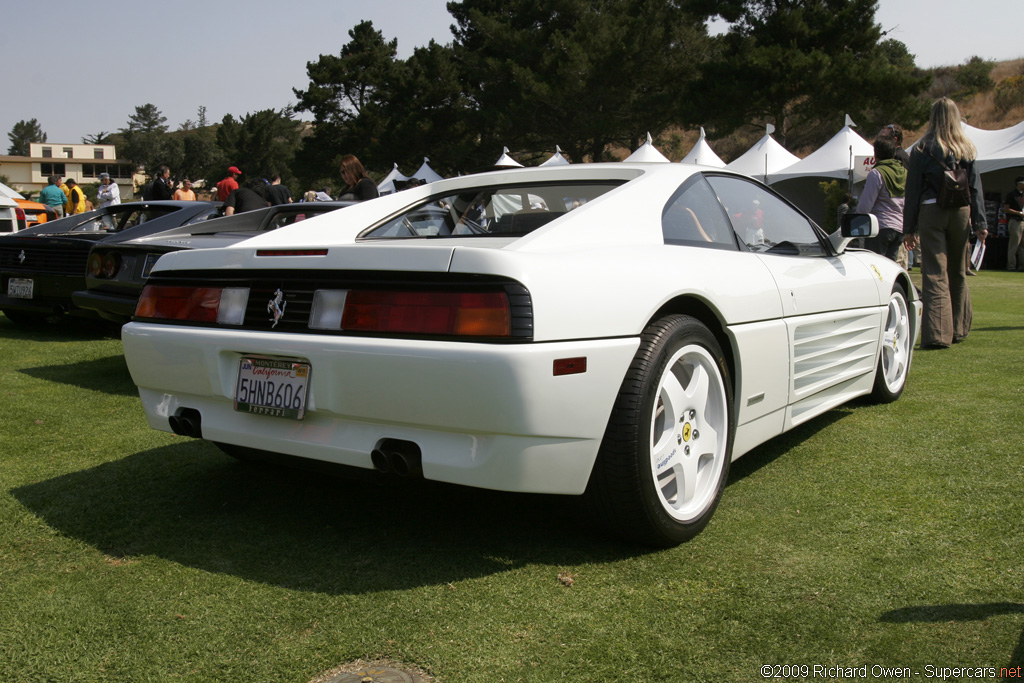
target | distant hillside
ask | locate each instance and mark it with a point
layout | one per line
(978, 110)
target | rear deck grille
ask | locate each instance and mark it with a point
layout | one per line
(40, 259)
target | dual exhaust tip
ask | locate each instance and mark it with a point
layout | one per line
(392, 456)
(397, 457)
(187, 422)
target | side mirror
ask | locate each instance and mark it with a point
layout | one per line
(854, 226)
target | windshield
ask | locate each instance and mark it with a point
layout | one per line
(508, 211)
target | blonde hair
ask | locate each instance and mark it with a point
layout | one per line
(945, 131)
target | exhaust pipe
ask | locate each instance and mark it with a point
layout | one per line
(187, 422)
(401, 458)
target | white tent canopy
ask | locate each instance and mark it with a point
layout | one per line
(834, 159)
(505, 161)
(556, 159)
(766, 157)
(1004, 149)
(647, 153)
(9, 192)
(702, 153)
(387, 186)
(425, 173)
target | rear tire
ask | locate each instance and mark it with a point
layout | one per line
(894, 356)
(664, 459)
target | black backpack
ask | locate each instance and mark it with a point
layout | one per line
(954, 191)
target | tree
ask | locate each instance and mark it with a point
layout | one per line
(583, 74)
(22, 135)
(972, 77)
(201, 158)
(145, 142)
(346, 95)
(429, 113)
(146, 119)
(261, 144)
(101, 138)
(799, 64)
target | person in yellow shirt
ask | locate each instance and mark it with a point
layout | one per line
(185, 193)
(76, 199)
(64, 188)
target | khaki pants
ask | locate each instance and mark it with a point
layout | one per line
(944, 236)
(1014, 248)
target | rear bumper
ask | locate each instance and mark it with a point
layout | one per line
(51, 294)
(485, 415)
(115, 307)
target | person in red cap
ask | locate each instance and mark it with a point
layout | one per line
(229, 184)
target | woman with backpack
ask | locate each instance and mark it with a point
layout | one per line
(944, 200)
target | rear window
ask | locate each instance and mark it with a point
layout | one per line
(505, 211)
(122, 219)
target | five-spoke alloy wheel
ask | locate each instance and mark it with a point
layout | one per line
(665, 455)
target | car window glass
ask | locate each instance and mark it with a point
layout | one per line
(287, 218)
(694, 217)
(501, 210)
(763, 221)
(121, 219)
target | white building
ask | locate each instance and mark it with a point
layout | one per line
(84, 163)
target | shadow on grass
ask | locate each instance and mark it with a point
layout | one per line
(192, 505)
(768, 452)
(64, 329)
(109, 375)
(962, 612)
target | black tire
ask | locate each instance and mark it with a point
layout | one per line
(895, 353)
(650, 412)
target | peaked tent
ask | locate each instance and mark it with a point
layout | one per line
(647, 153)
(1008, 154)
(556, 159)
(505, 161)
(702, 153)
(425, 173)
(834, 160)
(387, 186)
(766, 157)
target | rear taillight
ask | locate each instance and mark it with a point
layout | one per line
(470, 314)
(95, 264)
(104, 266)
(224, 305)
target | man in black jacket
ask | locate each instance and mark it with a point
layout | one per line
(161, 188)
(1013, 207)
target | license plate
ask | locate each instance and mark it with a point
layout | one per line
(19, 288)
(151, 260)
(278, 388)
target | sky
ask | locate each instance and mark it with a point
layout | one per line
(86, 76)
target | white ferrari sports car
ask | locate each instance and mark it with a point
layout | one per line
(617, 331)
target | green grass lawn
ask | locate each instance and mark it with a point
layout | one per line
(874, 535)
